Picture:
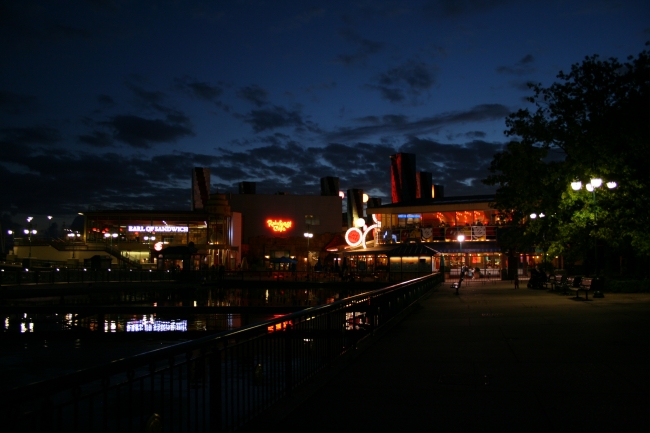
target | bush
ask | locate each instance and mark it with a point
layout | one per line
(627, 286)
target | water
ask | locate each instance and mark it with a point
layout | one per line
(37, 346)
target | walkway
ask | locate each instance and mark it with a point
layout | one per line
(492, 359)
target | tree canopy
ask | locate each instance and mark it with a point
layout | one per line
(593, 123)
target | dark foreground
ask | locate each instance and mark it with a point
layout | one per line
(491, 359)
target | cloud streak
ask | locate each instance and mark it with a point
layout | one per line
(388, 126)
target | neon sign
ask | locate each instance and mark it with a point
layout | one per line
(173, 229)
(355, 237)
(279, 225)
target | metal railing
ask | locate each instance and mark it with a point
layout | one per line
(215, 383)
(17, 275)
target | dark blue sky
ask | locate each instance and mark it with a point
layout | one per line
(104, 104)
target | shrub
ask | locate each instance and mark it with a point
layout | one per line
(627, 286)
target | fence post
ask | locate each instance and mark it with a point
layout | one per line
(288, 359)
(216, 403)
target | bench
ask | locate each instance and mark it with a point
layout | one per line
(586, 285)
(551, 282)
(569, 283)
(557, 282)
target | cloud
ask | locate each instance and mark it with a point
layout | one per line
(299, 20)
(254, 94)
(148, 97)
(199, 89)
(524, 86)
(15, 104)
(460, 168)
(36, 135)
(140, 132)
(479, 113)
(456, 8)
(96, 139)
(364, 48)
(522, 67)
(411, 79)
(277, 117)
(62, 31)
(105, 100)
(475, 134)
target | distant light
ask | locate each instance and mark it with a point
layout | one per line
(360, 222)
(460, 238)
(576, 185)
(342, 195)
(596, 182)
(589, 187)
(611, 185)
(49, 217)
(533, 215)
(541, 215)
(365, 198)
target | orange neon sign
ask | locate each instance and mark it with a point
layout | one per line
(279, 225)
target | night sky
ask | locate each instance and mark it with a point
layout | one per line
(108, 104)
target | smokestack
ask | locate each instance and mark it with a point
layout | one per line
(329, 186)
(372, 202)
(200, 187)
(355, 206)
(424, 182)
(247, 187)
(402, 174)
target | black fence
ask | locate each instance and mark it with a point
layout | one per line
(215, 383)
(16, 276)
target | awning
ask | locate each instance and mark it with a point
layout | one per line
(412, 250)
(382, 249)
(337, 244)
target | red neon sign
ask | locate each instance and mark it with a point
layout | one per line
(279, 225)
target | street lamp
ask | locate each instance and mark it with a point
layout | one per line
(29, 234)
(72, 236)
(308, 235)
(460, 238)
(593, 184)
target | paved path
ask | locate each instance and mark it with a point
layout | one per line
(495, 359)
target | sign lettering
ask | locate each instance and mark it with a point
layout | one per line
(279, 225)
(167, 229)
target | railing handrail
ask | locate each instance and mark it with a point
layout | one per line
(142, 359)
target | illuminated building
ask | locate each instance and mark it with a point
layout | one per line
(421, 214)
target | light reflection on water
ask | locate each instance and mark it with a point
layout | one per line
(123, 323)
(129, 323)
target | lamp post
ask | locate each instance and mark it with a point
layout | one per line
(10, 233)
(592, 186)
(308, 235)
(29, 234)
(72, 236)
(460, 238)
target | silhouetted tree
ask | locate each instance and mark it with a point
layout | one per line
(592, 123)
